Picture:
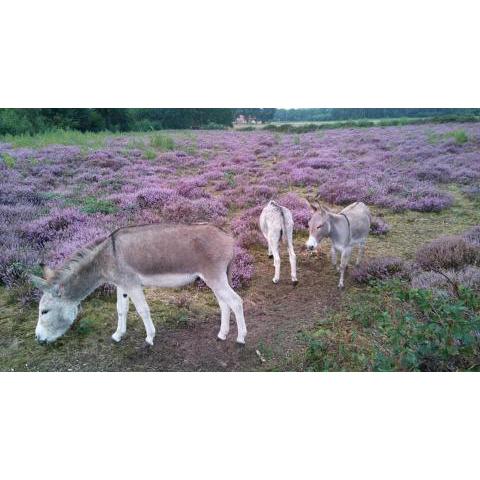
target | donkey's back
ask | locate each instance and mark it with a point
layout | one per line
(358, 215)
(155, 250)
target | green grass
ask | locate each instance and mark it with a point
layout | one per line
(8, 160)
(411, 229)
(161, 141)
(150, 154)
(460, 136)
(85, 140)
(93, 205)
(230, 178)
(58, 137)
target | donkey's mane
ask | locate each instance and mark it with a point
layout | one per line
(77, 260)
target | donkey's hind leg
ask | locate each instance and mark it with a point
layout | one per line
(224, 319)
(141, 305)
(264, 229)
(361, 251)
(122, 310)
(291, 254)
(273, 242)
(226, 294)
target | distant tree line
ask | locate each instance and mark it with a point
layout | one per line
(326, 114)
(34, 120)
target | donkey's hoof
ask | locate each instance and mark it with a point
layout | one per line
(116, 337)
(295, 283)
(275, 280)
(341, 287)
(149, 341)
(241, 342)
(222, 336)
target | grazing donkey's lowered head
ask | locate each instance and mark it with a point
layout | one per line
(63, 290)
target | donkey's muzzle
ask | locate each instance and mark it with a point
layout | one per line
(41, 341)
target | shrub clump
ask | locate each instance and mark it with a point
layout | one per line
(378, 226)
(242, 268)
(380, 268)
(448, 252)
(246, 229)
(472, 236)
(468, 277)
(184, 210)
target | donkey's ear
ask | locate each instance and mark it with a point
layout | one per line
(40, 283)
(48, 273)
(313, 205)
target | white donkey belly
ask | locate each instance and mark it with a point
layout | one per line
(169, 280)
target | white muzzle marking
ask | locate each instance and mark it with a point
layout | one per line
(311, 242)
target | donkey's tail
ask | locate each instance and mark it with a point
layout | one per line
(229, 271)
(283, 232)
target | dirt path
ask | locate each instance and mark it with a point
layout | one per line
(276, 317)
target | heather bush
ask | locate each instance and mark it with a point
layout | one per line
(380, 268)
(449, 280)
(242, 268)
(379, 226)
(448, 252)
(469, 277)
(472, 236)
(298, 206)
(155, 196)
(192, 188)
(49, 227)
(472, 192)
(246, 229)
(191, 211)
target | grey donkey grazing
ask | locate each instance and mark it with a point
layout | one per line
(276, 222)
(131, 258)
(346, 229)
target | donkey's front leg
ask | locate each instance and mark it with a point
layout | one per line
(141, 305)
(122, 310)
(346, 252)
(333, 253)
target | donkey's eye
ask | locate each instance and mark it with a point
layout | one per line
(320, 226)
(44, 312)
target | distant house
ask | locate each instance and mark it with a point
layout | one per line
(242, 120)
